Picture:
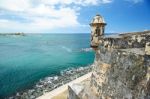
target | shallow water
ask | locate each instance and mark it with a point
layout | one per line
(24, 60)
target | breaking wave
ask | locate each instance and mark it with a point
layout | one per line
(66, 48)
(86, 49)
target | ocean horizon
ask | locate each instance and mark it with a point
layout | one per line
(27, 59)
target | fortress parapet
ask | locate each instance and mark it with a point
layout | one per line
(121, 69)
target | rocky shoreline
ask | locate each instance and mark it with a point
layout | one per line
(49, 83)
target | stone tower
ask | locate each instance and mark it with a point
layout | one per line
(97, 30)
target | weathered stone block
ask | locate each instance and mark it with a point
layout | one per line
(75, 90)
(147, 48)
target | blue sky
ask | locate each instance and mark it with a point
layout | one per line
(73, 16)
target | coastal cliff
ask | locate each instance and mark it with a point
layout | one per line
(121, 69)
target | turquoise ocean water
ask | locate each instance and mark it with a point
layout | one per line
(24, 60)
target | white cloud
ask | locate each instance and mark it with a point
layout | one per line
(43, 14)
(15, 5)
(77, 2)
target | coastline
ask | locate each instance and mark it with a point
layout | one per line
(18, 34)
(63, 88)
(49, 84)
(33, 68)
